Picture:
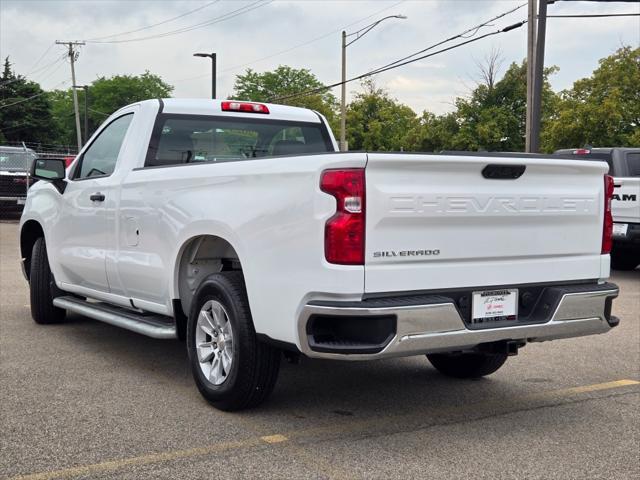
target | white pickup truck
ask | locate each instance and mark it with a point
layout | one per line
(239, 227)
(624, 166)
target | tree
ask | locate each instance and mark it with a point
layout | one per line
(433, 133)
(106, 95)
(109, 94)
(603, 110)
(283, 81)
(494, 117)
(24, 109)
(375, 121)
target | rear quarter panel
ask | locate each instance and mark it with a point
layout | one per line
(271, 211)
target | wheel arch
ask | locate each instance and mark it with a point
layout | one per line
(198, 257)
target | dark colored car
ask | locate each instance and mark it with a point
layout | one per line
(15, 163)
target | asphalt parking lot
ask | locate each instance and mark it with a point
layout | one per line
(87, 400)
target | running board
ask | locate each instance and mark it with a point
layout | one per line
(155, 326)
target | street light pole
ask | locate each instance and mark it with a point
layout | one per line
(343, 108)
(213, 58)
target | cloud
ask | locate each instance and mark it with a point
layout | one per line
(28, 28)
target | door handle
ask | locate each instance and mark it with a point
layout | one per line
(97, 197)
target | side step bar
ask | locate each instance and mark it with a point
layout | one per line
(155, 326)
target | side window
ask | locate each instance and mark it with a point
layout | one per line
(101, 156)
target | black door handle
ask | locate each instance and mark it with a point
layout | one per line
(97, 197)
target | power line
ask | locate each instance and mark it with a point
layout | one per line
(234, 67)
(155, 24)
(392, 67)
(596, 15)
(42, 56)
(472, 30)
(30, 98)
(287, 50)
(221, 18)
(41, 69)
(99, 112)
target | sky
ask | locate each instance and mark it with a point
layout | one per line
(262, 34)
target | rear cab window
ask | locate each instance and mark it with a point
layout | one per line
(183, 139)
(633, 164)
(579, 154)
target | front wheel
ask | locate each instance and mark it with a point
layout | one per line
(42, 286)
(231, 368)
(467, 365)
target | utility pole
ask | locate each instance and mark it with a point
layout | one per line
(72, 59)
(86, 111)
(536, 104)
(531, 47)
(343, 90)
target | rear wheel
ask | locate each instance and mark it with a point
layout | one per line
(42, 286)
(624, 260)
(231, 368)
(467, 365)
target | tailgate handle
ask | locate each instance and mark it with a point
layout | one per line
(503, 172)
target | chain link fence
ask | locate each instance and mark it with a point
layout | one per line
(15, 164)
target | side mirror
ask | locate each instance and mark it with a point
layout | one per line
(49, 169)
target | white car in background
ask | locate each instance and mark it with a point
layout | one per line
(624, 166)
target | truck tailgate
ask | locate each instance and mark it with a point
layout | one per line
(435, 222)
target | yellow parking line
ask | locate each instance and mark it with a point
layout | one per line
(274, 438)
(111, 465)
(595, 388)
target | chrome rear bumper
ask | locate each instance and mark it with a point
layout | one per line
(437, 326)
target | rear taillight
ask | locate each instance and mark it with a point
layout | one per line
(607, 228)
(582, 151)
(246, 107)
(344, 233)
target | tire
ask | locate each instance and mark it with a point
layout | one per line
(42, 287)
(624, 261)
(467, 365)
(251, 375)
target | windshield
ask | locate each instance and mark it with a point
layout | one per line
(16, 161)
(181, 139)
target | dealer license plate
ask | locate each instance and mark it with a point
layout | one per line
(494, 306)
(620, 229)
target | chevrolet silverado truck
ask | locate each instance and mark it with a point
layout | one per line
(241, 229)
(624, 166)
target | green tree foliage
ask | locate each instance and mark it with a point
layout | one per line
(26, 120)
(106, 95)
(492, 118)
(602, 110)
(375, 121)
(283, 81)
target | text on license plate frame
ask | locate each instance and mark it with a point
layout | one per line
(620, 229)
(494, 305)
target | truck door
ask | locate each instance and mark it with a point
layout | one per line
(79, 237)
